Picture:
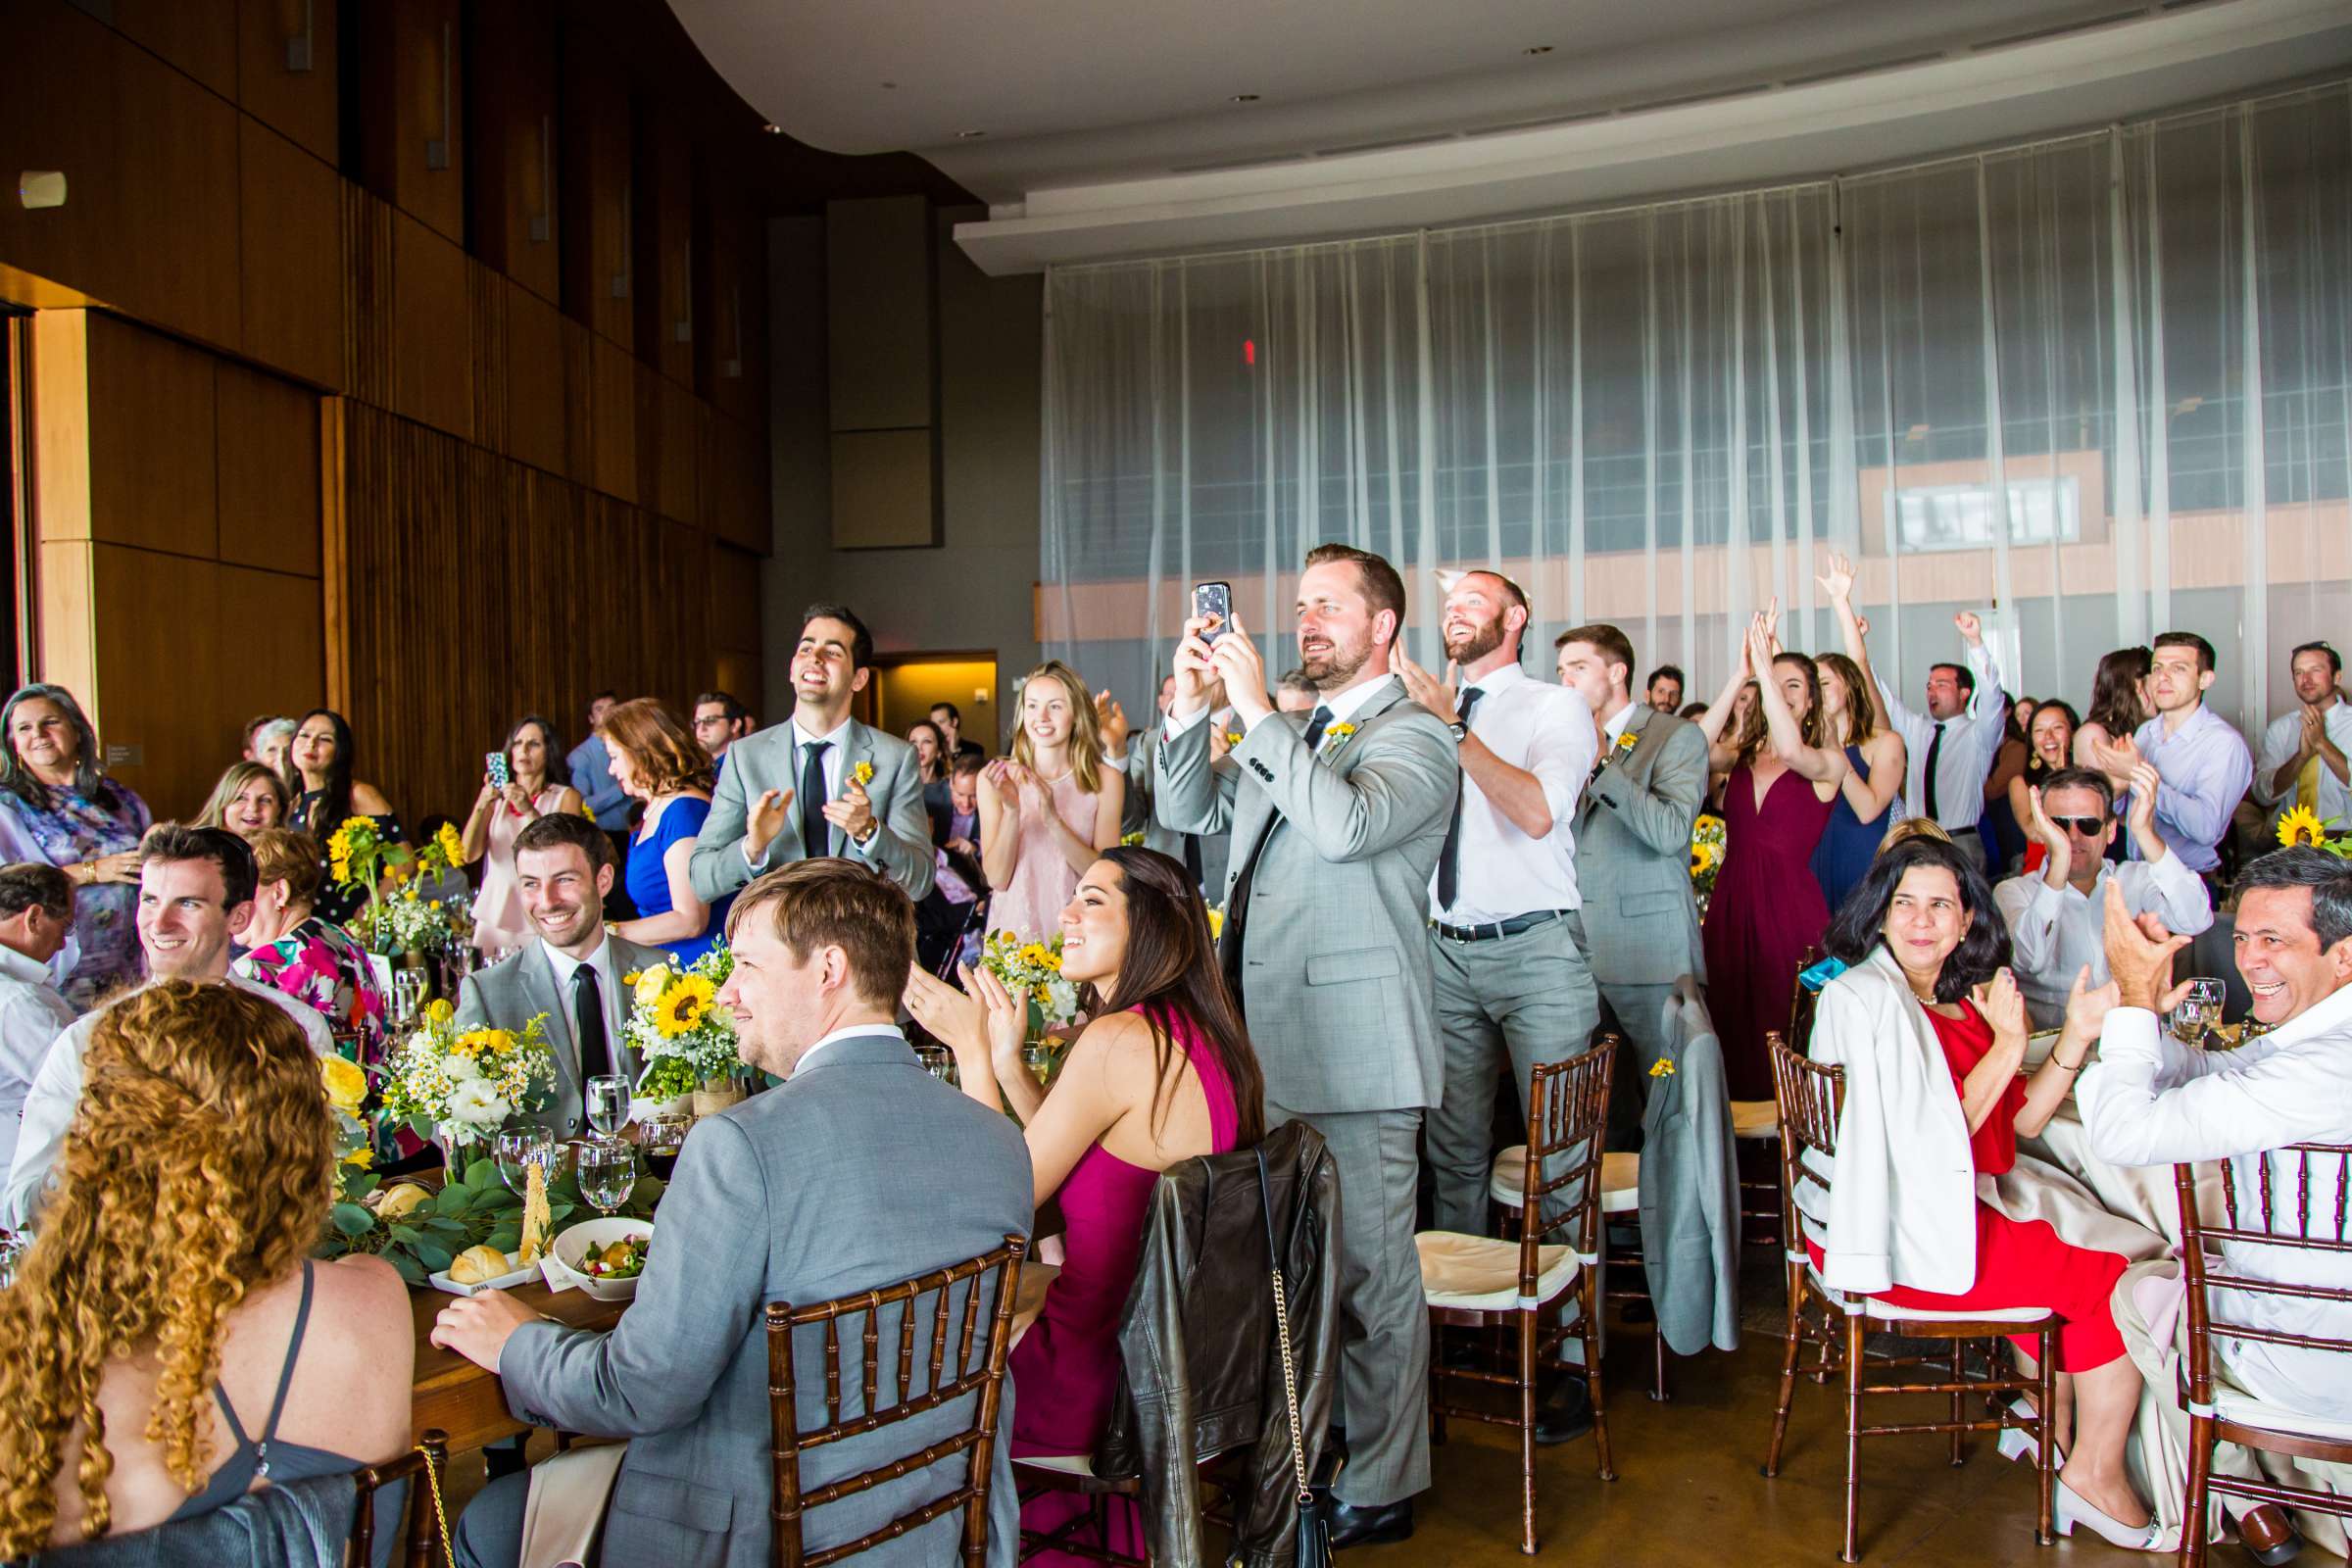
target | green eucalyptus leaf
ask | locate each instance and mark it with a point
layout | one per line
(353, 1220)
(433, 1256)
(507, 1238)
(410, 1269)
(482, 1175)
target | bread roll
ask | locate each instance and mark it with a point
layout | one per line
(479, 1266)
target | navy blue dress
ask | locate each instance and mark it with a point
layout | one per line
(649, 883)
(1847, 845)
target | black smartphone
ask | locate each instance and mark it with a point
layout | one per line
(1214, 599)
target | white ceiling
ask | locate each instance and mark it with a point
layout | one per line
(1096, 111)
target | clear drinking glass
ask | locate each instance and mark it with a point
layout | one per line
(661, 1139)
(938, 1061)
(1038, 1057)
(607, 1097)
(2199, 1010)
(606, 1172)
(518, 1148)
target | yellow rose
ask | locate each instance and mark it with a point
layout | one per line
(650, 984)
(346, 1084)
(400, 1200)
(438, 1010)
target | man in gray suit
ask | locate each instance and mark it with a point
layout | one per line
(1205, 855)
(823, 784)
(859, 1171)
(1336, 818)
(575, 976)
(1639, 927)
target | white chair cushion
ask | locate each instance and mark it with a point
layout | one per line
(2236, 1404)
(1479, 1273)
(1069, 1465)
(1755, 1118)
(1620, 1180)
(1872, 1307)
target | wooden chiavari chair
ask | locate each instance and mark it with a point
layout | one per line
(990, 1277)
(429, 1523)
(1810, 1098)
(2281, 1218)
(1480, 1282)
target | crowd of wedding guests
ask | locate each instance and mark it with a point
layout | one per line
(1431, 882)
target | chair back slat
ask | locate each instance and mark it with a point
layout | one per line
(1810, 1098)
(995, 1276)
(1567, 1116)
(2284, 1222)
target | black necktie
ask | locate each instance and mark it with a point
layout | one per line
(1237, 905)
(1449, 858)
(1193, 869)
(813, 837)
(1934, 747)
(588, 1024)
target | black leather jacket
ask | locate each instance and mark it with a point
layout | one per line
(1201, 1363)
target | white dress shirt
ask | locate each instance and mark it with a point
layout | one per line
(2279, 744)
(56, 1094)
(836, 742)
(2053, 932)
(1970, 743)
(32, 1016)
(607, 987)
(2152, 1100)
(2203, 770)
(852, 1032)
(1542, 729)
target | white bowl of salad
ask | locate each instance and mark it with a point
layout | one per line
(605, 1256)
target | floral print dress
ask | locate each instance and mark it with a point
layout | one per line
(102, 952)
(321, 963)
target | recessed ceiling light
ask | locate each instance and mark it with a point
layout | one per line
(970, 135)
(773, 130)
(1245, 97)
(1537, 49)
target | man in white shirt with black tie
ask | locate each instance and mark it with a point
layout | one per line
(1951, 746)
(1512, 989)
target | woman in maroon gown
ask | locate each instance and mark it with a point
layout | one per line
(1767, 909)
(1163, 1073)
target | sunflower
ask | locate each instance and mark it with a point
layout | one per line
(2301, 826)
(1702, 858)
(452, 847)
(682, 1006)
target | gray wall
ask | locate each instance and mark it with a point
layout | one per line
(974, 593)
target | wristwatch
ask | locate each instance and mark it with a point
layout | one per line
(1461, 730)
(867, 837)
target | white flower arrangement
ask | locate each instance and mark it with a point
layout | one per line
(468, 1082)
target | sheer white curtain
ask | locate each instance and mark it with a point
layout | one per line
(2093, 388)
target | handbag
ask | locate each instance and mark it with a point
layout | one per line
(1314, 1546)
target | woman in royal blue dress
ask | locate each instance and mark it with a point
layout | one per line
(1874, 756)
(657, 760)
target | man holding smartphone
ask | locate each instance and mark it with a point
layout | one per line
(1336, 815)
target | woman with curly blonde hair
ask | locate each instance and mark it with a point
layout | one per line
(657, 760)
(195, 1181)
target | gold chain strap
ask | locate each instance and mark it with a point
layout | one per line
(1289, 1387)
(432, 1479)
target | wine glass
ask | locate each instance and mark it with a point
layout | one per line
(2198, 1009)
(938, 1061)
(608, 1104)
(518, 1148)
(1037, 1056)
(407, 994)
(662, 1138)
(606, 1172)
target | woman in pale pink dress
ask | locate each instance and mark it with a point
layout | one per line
(1047, 810)
(531, 792)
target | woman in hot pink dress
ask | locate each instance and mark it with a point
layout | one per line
(1165, 1073)
(1767, 909)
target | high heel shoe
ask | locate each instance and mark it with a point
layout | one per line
(2071, 1510)
(2016, 1445)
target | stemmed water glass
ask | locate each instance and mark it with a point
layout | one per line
(2198, 1009)
(607, 1097)
(518, 1148)
(607, 1173)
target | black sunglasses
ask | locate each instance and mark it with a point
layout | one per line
(2088, 826)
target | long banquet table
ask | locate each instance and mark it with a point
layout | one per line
(460, 1398)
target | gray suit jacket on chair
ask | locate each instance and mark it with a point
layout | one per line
(900, 848)
(1335, 977)
(1633, 855)
(513, 991)
(859, 1171)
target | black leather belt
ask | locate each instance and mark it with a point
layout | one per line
(1499, 928)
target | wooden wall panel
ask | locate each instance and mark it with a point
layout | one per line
(368, 357)
(292, 285)
(734, 599)
(666, 322)
(268, 472)
(290, 681)
(486, 295)
(413, 111)
(303, 105)
(431, 379)
(613, 412)
(444, 542)
(160, 650)
(152, 441)
(675, 452)
(510, 85)
(535, 382)
(595, 196)
(186, 35)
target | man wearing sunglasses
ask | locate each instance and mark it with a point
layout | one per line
(2055, 917)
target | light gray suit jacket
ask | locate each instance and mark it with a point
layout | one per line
(1335, 972)
(1137, 814)
(1633, 855)
(517, 989)
(1689, 1185)
(857, 1173)
(900, 848)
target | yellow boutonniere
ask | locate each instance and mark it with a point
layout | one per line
(1216, 921)
(1129, 841)
(1663, 1067)
(1233, 737)
(1337, 736)
(1627, 742)
(864, 773)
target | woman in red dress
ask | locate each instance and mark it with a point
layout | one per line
(1927, 1002)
